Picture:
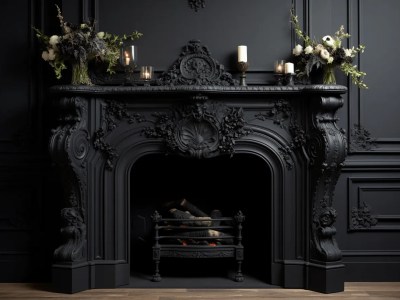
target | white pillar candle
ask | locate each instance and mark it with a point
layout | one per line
(242, 53)
(289, 68)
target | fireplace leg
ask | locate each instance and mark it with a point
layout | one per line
(157, 276)
(239, 276)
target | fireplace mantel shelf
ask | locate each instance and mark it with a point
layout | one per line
(103, 130)
(195, 89)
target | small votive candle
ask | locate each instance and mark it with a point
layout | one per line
(146, 72)
(279, 66)
(289, 68)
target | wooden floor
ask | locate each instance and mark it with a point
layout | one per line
(354, 290)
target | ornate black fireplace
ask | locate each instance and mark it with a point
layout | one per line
(198, 113)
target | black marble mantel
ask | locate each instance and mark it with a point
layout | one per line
(103, 130)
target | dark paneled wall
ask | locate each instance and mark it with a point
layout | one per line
(368, 192)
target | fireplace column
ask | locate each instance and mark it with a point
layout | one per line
(327, 150)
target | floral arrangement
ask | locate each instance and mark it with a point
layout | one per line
(327, 54)
(79, 44)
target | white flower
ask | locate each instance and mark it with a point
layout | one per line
(100, 34)
(329, 41)
(319, 48)
(54, 40)
(52, 54)
(308, 50)
(330, 60)
(325, 54)
(45, 55)
(348, 52)
(297, 50)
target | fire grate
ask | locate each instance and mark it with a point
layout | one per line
(197, 236)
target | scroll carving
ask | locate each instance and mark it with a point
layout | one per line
(69, 146)
(327, 151)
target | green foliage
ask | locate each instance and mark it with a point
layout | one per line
(326, 54)
(81, 43)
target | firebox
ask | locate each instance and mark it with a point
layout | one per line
(272, 152)
(210, 193)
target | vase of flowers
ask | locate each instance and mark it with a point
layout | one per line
(326, 55)
(79, 44)
(80, 73)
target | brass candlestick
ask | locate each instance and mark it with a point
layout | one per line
(243, 66)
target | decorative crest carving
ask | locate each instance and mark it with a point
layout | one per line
(195, 66)
(201, 130)
(196, 4)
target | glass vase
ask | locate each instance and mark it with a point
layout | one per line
(80, 74)
(329, 74)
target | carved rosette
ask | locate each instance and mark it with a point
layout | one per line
(195, 66)
(69, 147)
(327, 150)
(202, 130)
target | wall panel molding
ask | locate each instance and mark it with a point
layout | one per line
(358, 113)
(366, 216)
(370, 253)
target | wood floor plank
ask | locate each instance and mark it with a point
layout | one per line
(353, 291)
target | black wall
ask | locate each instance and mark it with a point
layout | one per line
(368, 189)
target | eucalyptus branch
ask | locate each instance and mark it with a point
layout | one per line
(296, 26)
(355, 75)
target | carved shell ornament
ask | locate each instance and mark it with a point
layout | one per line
(197, 137)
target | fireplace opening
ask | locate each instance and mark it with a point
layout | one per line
(223, 184)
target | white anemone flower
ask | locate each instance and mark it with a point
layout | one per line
(319, 48)
(52, 54)
(297, 50)
(45, 55)
(348, 52)
(329, 41)
(325, 54)
(100, 34)
(308, 50)
(54, 40)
